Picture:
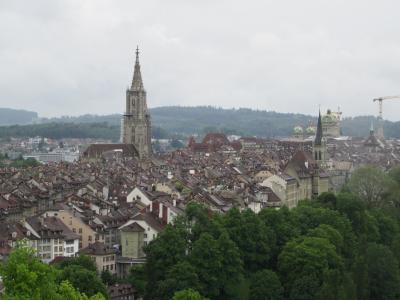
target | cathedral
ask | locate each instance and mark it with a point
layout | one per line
(136, 126)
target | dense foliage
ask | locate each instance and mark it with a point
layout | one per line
(82, 274)
(71, 130)
(342, 246)
(62, 130)
(243, 121)
(173, 120)
(20, 162)
(25, 277)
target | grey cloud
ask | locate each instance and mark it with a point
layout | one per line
(74, 57)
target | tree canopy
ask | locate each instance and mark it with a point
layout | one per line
(333, 247)
(26, 277)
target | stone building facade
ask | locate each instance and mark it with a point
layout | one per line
(136, 128)
(331, 124)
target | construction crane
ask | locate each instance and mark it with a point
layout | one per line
(380, 118)
(380, 99)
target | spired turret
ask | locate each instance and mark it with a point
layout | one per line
(319, 144)
(137, 121)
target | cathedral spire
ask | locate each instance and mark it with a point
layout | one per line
(318, 136)
(137, 83)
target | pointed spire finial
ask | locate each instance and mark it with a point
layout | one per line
(137, 83)
(318, 136)
(137, 54)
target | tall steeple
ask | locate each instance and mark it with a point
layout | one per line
(137, 121)
(319, 145)
(137, 82)
(318, 136)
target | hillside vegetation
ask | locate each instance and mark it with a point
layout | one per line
(10, 116)
(187, 121)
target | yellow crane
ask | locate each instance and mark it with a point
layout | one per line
(380, 100)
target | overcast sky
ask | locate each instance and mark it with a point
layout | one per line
(74, 57)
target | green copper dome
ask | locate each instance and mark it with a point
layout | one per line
(298, 130)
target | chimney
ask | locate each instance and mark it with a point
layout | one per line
(160, 210)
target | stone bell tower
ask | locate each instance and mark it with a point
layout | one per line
(136, 122)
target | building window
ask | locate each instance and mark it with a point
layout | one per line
(145, 235)
(80, 230)
(90, 238)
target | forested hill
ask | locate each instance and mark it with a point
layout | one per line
(174, 120)
(243, 121)
(10, 116)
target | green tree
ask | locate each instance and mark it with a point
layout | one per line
(253, 238)
(206, 258)
(383, 272)
(307, 258)
(387, 226)
(26, 277)
(67, 292)
(188, 294)
(231, 272)
(107, 278)
(354, 209)
(281, 223)
(86, 281)
(179, 277)
(306, 217)
(83, 261)
(371, 185)
(329, 233)
(137, 277)
(265, 285)
(162, 253)
(328, 200)
(81, 272)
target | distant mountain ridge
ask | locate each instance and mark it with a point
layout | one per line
(179, 120)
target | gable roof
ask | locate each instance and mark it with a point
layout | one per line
(96, 150)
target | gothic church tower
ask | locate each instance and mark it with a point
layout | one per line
(136, 122)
